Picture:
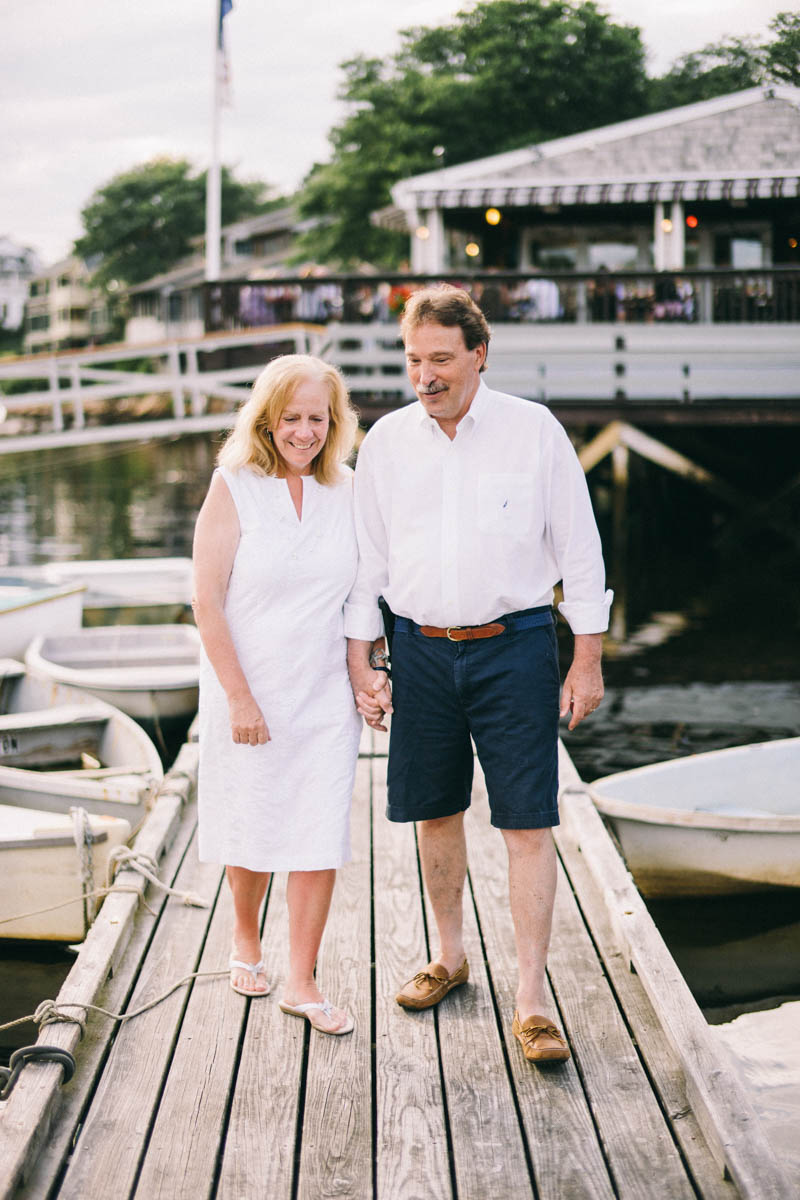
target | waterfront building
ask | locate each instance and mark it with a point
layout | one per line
(173, 304)
(709, 185)
(18, 265)
(63, 310)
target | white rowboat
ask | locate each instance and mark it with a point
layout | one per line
(29, 607)
(61, 750)
(716, 823)
(41, 868)
(148, 671)
(61, 747)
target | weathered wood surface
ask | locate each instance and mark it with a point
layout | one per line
(720, 1104)
(26, 1116)
(567, 1107)
(100, 1031)
(213, 1095)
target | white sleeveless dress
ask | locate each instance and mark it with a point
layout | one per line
(284, 806)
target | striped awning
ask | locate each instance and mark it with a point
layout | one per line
(639, 192)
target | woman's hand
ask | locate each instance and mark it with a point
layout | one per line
(248, 727)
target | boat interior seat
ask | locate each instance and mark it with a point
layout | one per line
(52, 735)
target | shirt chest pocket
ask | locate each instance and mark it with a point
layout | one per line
(505, 504)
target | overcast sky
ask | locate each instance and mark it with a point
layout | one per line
(91, 88)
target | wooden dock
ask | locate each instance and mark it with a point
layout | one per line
(209, 1094)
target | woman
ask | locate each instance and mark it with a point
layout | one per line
(275, 557)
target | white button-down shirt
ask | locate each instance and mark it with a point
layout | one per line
(460, 532)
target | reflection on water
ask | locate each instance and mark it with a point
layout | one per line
(126, 501)
(731, 677)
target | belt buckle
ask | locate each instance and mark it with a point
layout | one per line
(455, 629)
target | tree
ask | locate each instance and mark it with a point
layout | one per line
(731, 66)
(142, 221)
(783, 54)
(505, 74)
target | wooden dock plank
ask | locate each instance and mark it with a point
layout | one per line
(100, 1031)
(636, 1138)
(662, 1064)
(719, 1101)
(562, 1139)
(259, 1149)
(411, 1140)
(114, 1136)
(183, 1149)
(488, 1147)
(336, 1150)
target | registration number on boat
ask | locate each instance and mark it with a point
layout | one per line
(8, 744)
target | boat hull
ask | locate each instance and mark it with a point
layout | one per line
(28, 610)
(61, 747)
(667, 861)
(709, 824)
(41, 868)
(150, 672)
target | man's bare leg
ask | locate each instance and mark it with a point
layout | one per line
(532, 890)
(443, 854)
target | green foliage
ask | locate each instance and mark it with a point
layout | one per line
(505, 74)
(783, 54)
(716, 70)
(142, 221)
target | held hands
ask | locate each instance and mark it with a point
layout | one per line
(373, 705)
(248, 727)
(373, 694)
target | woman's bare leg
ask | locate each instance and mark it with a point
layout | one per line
(248, 889)
(308, 896)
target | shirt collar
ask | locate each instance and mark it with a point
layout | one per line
(480, 402)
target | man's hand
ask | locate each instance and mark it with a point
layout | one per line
(248, 727)
(583, 686)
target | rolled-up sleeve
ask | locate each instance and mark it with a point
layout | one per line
(362, 618)
(575, 541)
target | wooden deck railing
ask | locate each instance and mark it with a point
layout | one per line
(709, 297)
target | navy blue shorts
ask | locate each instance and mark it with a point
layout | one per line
(501, 692)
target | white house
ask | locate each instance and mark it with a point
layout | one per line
(18, 265)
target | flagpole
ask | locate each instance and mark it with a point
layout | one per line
(214, 177)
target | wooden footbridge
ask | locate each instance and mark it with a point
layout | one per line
(208, 1094)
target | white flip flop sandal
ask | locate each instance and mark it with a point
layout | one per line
(323, 1006)
(254, 969)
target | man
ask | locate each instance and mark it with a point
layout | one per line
(470, 506)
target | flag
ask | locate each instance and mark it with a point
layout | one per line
(225, 7)
(223, 68)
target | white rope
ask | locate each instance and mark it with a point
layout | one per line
(82, 835)
(121, 857)
(51, 1012)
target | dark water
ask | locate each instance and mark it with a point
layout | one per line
(731, 676)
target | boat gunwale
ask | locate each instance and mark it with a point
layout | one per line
(626, 810)
(50, 594)
(648, 814)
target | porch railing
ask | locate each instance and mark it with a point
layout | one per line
(723, 296)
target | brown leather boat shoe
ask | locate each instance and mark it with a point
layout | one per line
(431, 985)
(540, 1039)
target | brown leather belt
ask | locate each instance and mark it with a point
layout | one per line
(463, 633)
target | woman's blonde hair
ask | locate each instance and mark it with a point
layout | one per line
(273, 391)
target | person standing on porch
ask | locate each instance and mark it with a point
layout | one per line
(470, 506)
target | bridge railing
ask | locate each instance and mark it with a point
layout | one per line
(709, 297)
